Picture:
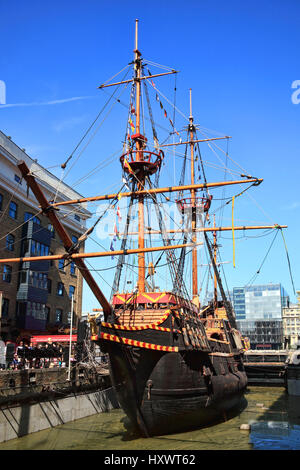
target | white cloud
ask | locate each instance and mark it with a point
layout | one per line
(45, 103)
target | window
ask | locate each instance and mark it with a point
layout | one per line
(10, 242)
(1, 201)
(29, 216)
(61, 264)
(60, 288)
(74, 239)
(76, 217)
(7, 273)
(49, 285)
(71, 291)
(58, 315)
(13, 210)
(38, 279)
(39, 249)
(72, 268)
(51, 229)
(18, 179)
(5, 307)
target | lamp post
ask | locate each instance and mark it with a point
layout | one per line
(70, 345)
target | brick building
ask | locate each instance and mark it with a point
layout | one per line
(36, 296)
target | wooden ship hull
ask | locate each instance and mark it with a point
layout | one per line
(168, 376)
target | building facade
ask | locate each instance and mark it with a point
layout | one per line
(36, 296)
(258, 312)
(291, 324)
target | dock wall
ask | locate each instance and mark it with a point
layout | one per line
(23, 419)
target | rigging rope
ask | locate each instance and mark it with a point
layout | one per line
(233, 241)
(288, 260)
(261, 265)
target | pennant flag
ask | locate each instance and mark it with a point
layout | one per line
(165, 113)
(119, 214)
(157, 97)
(124, 180)
(160, 104)
(112, 249)
(119, 196)
(126, 165)
(152, 83)
(131, 124)
(116, 233)
(171, 122)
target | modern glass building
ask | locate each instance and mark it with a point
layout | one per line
(258, 312)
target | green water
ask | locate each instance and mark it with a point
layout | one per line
(274, 419)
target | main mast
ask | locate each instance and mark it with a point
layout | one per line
(194, 206)
(139, 158)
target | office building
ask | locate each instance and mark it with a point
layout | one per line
(258, 312)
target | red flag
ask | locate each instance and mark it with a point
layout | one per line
(119, 214)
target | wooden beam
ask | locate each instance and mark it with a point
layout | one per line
(196, 141)
(211, 229)
(100, 254)
(137, 79)
(167, 189)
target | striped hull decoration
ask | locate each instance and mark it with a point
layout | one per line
(139, 344)
(161, 297)
(138, 328)
(153, 326)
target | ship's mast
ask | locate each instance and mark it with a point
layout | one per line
(193, 205)
(139, 158)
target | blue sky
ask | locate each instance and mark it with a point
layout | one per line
(239, 58)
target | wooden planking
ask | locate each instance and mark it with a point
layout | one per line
(142, 317)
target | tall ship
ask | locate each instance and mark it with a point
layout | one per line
(176, 360)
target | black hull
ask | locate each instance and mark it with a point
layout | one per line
(168, 392)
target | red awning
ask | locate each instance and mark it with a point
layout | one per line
(53, 339)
